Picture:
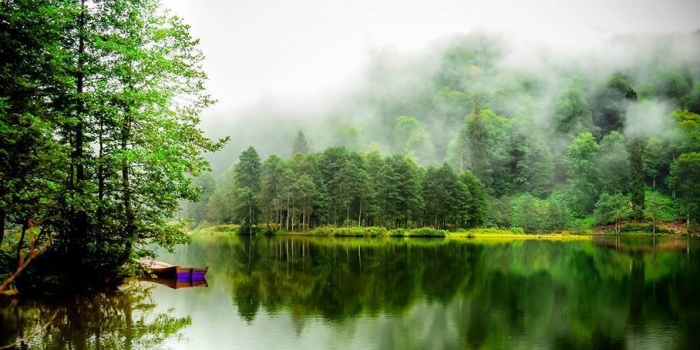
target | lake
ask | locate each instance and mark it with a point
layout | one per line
(354, 293)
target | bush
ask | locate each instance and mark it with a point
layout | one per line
(374, 231)
(667, 205)
(371, 231)
(517, 230)
(225, 228)
(248, 231)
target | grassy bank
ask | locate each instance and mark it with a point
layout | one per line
(382, 232)
(508, 235)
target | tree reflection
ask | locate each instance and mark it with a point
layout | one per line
(556, 294)
(118, 320)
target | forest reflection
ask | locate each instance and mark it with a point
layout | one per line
(311, 292)
(609, 293)
(123, 319)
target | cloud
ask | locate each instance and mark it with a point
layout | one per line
(649, 118)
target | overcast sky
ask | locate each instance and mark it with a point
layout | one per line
(298, 48)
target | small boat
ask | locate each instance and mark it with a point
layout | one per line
(165, 270)
(198, 273)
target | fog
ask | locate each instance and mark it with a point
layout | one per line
(278, 67)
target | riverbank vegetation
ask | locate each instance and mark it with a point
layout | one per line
(99, 104)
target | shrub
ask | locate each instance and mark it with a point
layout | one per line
(517, 230)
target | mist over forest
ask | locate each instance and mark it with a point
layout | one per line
(557, 138)
(629, 83)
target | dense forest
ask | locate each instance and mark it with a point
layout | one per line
(99, 104)
(478, 133)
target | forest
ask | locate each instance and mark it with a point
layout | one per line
(478, 133)
(99, 138)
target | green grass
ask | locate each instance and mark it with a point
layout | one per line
(374, 231)
(231, 228)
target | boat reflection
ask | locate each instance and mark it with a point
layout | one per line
(176, 283)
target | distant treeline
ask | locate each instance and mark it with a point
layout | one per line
(600, 183)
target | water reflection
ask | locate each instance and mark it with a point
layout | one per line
(610, 293)
(324, 293)
(118, 320)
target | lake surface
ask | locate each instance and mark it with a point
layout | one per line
(322, 293)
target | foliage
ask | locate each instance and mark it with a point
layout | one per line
(301, 144)
(636, 185)
(685, 176)
(471, 103)
(584, 175)
(247, 175)
(100, 104)
(613, 209)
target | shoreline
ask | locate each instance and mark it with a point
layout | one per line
(461, 235)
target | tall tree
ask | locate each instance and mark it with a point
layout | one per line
(653, 209)
(613, 163)
(32, 161)
(636, 183)
(337, 179)
(444, 197)
(399, 196)
(301, 144)
(685, 175)
(477, 200)
(654, 156)
(572, 114)
(583, 173)
(482, 147)
(248, 174)
(271, 189)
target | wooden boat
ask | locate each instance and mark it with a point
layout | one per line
(165, 270)
(198, 273)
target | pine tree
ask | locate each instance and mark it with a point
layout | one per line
(248, 175)
(301, 144)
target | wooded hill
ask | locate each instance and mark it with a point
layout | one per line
(555, 142)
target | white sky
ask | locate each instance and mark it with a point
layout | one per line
(298, 48)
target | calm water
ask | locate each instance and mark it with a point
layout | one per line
(303, 293)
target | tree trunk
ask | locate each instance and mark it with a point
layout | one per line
(130, 228)
(289, 213)
(21, 242)
(80, 225)
(359, 216)
(2, 225)
(653, 182)
(101, 179)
